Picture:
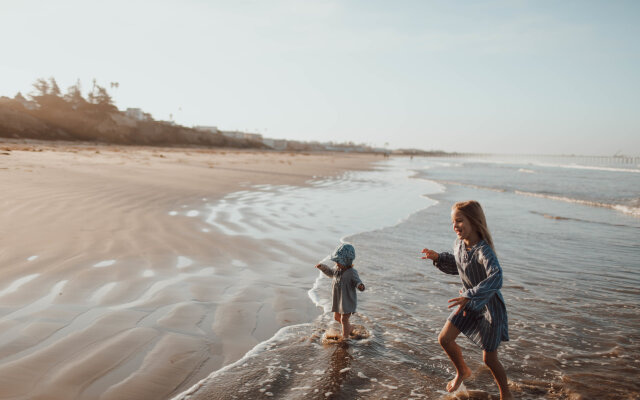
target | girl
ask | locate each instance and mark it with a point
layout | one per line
(481, 314)
(343, 290)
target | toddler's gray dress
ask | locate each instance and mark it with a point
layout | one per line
(343, 289)
(485, 322)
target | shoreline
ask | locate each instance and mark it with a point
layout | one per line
(406, 360)
(300, 333)
(121, 297)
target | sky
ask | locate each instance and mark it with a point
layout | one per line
(517, 76)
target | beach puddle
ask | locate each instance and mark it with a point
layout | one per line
(184, 262)
(15, 285)
(106, 263)
(40, 304)
(102, 291)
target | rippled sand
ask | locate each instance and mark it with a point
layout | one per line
(111, 287)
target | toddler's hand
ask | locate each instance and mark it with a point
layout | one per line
(318, 266)
(430, 254)
(361, 287)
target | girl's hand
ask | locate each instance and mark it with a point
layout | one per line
(430, 254)
(361, 287)
(460, 302)
(318, 266)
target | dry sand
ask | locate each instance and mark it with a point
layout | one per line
(105, 294)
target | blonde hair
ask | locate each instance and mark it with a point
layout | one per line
(472, 210)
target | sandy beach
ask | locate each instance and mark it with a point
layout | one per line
(111, 289)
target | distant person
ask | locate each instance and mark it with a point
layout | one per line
(343, 290)
(481, 314)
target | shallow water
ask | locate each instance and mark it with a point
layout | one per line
(568, 239)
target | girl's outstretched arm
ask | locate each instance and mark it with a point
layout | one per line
(326, 270)
(480, 294)
(444, 261)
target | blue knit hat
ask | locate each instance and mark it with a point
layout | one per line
(344, 254)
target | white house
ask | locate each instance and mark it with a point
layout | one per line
(253, 136)
(233, 134)
(135, 113)
(211, 129)
(276, 144)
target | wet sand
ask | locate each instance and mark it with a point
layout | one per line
(111, 289)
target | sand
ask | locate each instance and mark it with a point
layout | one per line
(110, 288)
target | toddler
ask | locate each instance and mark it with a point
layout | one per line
(343, 290)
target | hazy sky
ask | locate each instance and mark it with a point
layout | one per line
(535, 76)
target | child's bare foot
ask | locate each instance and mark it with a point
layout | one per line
(346, 330)
(454, 384)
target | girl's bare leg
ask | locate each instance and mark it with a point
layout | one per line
(447, 340)
(336, 316)
(346, 326)
(491, 359)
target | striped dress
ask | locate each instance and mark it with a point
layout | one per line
(485, 322)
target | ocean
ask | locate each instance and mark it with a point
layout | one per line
(567, 235)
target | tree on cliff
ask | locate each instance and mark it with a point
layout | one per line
(101, 98)
(19, 97)
(42, 88)
(74, 96)
(53, 87)
(47, 93)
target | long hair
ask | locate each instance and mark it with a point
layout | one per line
(473, 211)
